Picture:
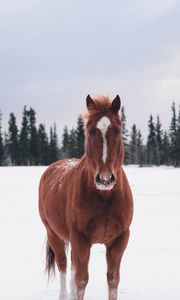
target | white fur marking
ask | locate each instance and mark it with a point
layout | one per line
(102, 187)
(103, 125)
(73, 289)
(113, 293)
(80, 294)
(63, 292)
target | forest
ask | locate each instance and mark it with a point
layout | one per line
(31, 145)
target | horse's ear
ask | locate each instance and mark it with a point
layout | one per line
(90, 103)
(116, 104)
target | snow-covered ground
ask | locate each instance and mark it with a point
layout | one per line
(151, 264)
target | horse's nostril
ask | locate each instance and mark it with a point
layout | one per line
(105, 179)
(112, 178)
(98, 178)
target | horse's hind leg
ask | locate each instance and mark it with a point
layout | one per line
(58, 247)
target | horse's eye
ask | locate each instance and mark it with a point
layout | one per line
(92, 132)
(117, 131)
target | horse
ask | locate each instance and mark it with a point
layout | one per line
(88, 200)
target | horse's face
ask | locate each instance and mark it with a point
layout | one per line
(104, 147)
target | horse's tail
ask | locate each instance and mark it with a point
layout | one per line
(50, 260)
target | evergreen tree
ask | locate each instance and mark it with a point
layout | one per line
(178, 137)
(125, 136)
(158, 141)
(42, 146)
(151, 143)
(13, 140)
(80, 138)
(65, 143)
(173, 137)
(140, 152)
(1, 144)
(165, 150)
(24, 140)
(33, 138)
(53, 152)
(7, 158)
(72, 144)
(133, 146)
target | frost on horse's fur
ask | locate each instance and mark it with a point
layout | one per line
(63, 169)
(99, 207)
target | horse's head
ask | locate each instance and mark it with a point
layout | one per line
(104, 147)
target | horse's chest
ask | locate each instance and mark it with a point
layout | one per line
(104, 229)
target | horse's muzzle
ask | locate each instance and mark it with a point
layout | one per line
(105, 180)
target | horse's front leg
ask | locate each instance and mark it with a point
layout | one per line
(114, 254)
(80, 259)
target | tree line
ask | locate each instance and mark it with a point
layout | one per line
(31, 145)
(161, 148)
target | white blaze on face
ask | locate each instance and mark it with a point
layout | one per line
(103, 125)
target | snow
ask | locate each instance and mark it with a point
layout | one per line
(151, 264)
(66, 166)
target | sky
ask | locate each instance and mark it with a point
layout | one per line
(54, 53)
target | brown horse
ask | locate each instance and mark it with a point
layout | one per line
(88, 200)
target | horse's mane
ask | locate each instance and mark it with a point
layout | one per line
(103, 104)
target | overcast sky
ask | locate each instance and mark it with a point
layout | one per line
(55, 52)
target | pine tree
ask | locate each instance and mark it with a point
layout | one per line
(80, 138)
(133, 146)
(165, 150)
(151, 143)
(178, 137)
(13, 140)
(140, 152)
(42, 146)
(72, 144)
(1, 144)
(53, 152)
(24, 140)
(125, 136)
(158, 141)
(65, 143)
(33, 138)
(173, 137)
(7, 158)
